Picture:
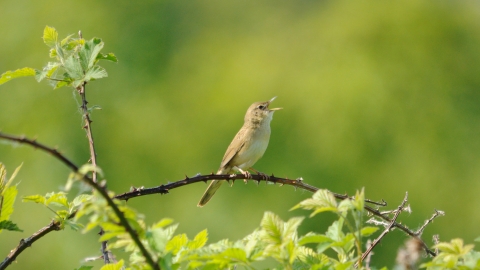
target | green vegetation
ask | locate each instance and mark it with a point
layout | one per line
(376, 95)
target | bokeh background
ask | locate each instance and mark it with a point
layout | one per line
(376, 94)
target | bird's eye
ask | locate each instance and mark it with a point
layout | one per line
(261, 107)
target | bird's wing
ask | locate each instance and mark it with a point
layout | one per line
(235, 146)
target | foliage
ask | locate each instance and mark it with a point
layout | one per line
(274, 240)
(8, 195)
(75, 61)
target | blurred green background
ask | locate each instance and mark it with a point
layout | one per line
(376, 94)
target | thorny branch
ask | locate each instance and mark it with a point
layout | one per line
(25, 243)
(297, 183)
(388, 229)
(88, 180)
(93, 154)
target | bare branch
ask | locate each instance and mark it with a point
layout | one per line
(297, 183)
(25, 243)
(97, 187)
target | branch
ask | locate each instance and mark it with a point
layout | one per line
(96, 186)
(93, 155)
(389, 228)
(297, 183)
(25, 243)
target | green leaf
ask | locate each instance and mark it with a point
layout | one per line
(162, 223)
(80, 199)
(291, 226)
(73, 68)
(235, 254)
(89, 51)
(321, 201)
(50, 36)
(367, 231)
(34, 198)
(9, 226)
(22, 72)
(97, 72)
(176, 243)
(6, 202)
(109, 57)
(199, 241)
(57, 199)
(314, 238)
(113, 266)
(273, 228)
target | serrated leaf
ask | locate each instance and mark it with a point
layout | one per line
(86, 168)
(108, 57)
(66, 40)
(74, 225)
(6, 202)
(58, 199)
(89, 52)
(290, 227)
(235, 254)
(73, 68)
(9, 226)
(367, 231)
(80, 199)
(96, 72)
(113, 266)
(34, 198)
(314, 238)
(50, 36)
(273, 228)
(321, 201)
(199, 240)
(162, 223)
(22, 72)
(176, 243)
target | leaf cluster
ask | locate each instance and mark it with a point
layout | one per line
(75, 61)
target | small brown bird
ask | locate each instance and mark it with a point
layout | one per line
(247, 147)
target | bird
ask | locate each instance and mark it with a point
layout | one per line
(247, 147)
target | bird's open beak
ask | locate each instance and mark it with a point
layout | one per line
(274, 109)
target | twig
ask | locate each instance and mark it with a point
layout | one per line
(389, 228)
(25, 243)
(430, 220)
(95, 186)
(93, 155)
(165, 188)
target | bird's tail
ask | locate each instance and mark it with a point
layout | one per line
(211, 189)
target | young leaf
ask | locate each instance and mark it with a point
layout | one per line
(113, 266)
(73, 68)
(22, 72)
(34, 198)
(50, 36)
(176, 243)
(273, 228)
(9, 226)
(7, 199)
(199, 241)
(97, 72)
(108, 56)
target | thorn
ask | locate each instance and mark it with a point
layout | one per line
(273, 175)
(245, 180)
(205, 180)
(212, 173)
(231, 185)
(85, 126)
(186, 177)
